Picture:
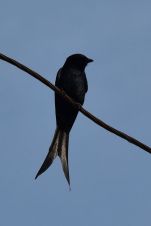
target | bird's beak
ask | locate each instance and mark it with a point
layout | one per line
(90, 60)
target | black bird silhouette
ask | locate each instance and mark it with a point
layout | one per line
(72, 79)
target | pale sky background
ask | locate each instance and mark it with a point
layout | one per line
(110, 178)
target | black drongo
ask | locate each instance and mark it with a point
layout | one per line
(71, 78)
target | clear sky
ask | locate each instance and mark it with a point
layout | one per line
(110, 178)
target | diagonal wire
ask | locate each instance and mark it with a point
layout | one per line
(75, 104)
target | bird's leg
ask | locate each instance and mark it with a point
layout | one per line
(63, 92)
(78, 105)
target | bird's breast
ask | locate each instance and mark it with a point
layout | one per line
(74, 86)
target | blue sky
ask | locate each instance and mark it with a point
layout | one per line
(110, 178)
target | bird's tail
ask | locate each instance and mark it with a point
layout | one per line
(58, 147)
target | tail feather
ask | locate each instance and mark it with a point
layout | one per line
(52, 153)
(63, 154)
(58, 147)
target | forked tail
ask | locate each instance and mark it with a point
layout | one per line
(59, 146)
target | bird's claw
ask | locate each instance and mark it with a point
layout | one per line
(78, 105)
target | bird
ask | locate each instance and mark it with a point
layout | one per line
(71, 79)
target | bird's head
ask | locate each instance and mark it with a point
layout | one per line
(77, 61)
